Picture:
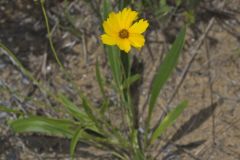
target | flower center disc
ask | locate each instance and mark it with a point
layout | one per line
(123, 34)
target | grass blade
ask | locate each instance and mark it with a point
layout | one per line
(168, 121)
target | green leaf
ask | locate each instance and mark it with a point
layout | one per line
(77, 135)
(168, 121)
(57, 127)
(17, 63)
(95, 125)
(106, 9)
(165, 70)
(113, 55)
(72, 108)
(104, 107)
(9, 110)
(100, 80)
(121, 156)
(138, 155)
(163, 9)
(190, 16)
(125, 60)
(88, 109)
(131, 80)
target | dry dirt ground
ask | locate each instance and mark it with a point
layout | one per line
(209, 128)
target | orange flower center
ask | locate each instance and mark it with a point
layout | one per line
(123, 34)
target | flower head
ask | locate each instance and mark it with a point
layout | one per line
(121, 31)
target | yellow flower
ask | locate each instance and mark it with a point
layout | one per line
(121, 31)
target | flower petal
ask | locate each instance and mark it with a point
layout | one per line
(106, 39)
(139, 27)
(108, 29)
(127, 17)
(111, 25)
(136, 40)
(124, 44)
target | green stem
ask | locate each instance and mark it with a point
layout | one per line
(50, 35)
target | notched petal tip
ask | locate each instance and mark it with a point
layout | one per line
(139, 27)
(127, 17)
(137, 40)
(144, 22)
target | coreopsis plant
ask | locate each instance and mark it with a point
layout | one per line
(89, 123)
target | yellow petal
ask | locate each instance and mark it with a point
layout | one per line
(111, 25)
(107, 26)
(114, 19)
(106, 39)
(124, 45)
(139, 27)
(136, 40)
(127, 17)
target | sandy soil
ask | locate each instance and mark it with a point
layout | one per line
(207, 130)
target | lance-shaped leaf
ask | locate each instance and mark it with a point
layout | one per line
(113, 55)
(57, 127)
(77, 135)
(168, 121)
(164, 72)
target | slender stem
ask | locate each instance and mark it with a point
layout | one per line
(50, 35)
